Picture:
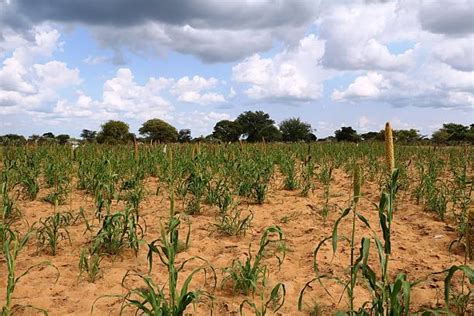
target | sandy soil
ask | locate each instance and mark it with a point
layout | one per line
(420, 247)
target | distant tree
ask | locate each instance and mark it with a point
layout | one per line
(293, 130)
(12, 139)
(48, 135)
(371, 136)
(470, 134)
(34, 138)
(114, 132)
(158, 130)
(311, 137)
(88, 135)
(407, 136)
(257, 126)
(347, 133)
(452, 132)
(62, 138)
(184, 136)
(227, 131)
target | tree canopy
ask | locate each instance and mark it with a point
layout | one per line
(227, 131)
(88, 135)
(451, 133)
(348, 134)
(293, 130)
(114, 132)
(159, 131)
(257, 126)
(184, 135)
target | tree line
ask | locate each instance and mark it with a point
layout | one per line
(250, 126)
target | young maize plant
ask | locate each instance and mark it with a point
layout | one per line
(152, 299)
(325, 177)
(231, 222)
(387, 298)
(12, 244)
(307, 174)
(52, 230)
(10, 212)
(246, 277)
(470, 234)
(274, 302)
(118, 231)
(89, 263)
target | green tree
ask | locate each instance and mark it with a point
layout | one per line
(407, 136)
(372, 136)
(10, 139)
(88, 135)
(227, 131)
(184, 136)
(347, 133)
(48, 135)
(293, 130)
(114, 132)
(62, 138)
(452, 132)
(257, 126)
(159, 131)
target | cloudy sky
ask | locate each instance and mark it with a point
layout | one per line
(70, 65)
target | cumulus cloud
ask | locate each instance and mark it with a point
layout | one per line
(212, 30)
(56, 74)
(196, 90)
(434, 85)
(364, 87)
(294, 74)
(357, 36)
(25, 83)
(449, 17)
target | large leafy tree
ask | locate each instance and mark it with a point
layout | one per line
(347, 133)
(62, 138)
(114, 132)
(227, 131)
(159, 131)
(293, 130)
(258, 126)
(88, 135)
(407, 135)
(12, 139)
(184, 136)
(452, 132)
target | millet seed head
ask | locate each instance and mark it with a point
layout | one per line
(389, 152)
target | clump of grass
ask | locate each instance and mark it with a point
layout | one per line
(248, 275)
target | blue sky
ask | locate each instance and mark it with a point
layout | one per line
(193, 63)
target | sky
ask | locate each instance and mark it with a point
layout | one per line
(72, 65)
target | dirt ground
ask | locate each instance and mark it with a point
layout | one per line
(420, 247)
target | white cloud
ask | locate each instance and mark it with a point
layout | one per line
(357, 36)
(26, 84)
(193, 90)
(56, 74)
(368, 86)
(294, 74)
(457, 52)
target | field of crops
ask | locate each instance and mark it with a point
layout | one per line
(296, 229)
